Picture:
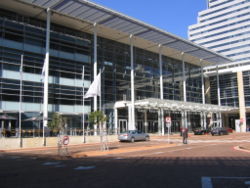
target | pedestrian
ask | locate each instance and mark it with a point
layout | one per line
(184, 135)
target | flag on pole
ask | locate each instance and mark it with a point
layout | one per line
(94, 89)
(21, 67)
(43, 72)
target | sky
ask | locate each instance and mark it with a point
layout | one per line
(173, 16)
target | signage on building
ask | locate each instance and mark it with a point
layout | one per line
(168, 119)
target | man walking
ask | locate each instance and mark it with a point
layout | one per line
(184, 135)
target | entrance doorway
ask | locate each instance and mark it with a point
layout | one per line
(123, 125)
(140, 126)
(152, 126)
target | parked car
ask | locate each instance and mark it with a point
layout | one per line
(201, 131)
(132, 136)
(219, 131)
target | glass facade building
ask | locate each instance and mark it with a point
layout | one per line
(70, 50)
(225, 28)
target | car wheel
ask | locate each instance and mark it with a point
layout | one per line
(132, 139)
(147, 138)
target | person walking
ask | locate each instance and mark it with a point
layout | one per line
(185, 135)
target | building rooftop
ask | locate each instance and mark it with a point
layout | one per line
(82, 15)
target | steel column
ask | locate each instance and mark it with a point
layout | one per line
(161, 76)
(132, 125)
(46, 76)
(183, 78)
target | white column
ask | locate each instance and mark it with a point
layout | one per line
(202, 84)
(184, 89)
(161, 76)
(185, 119)
(132, 126)
(146, 120)
(184, 78)
(162, 123)
(218, 85)
(46, 76)
(220, 117)
(205, 120)
(201, 120)
(159, 121)
(116, 119)
(20, 103)
(95, 71)
(95, 61)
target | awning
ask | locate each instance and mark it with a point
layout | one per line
(152, 103)
(82, 14)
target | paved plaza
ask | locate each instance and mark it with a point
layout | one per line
(206, 161)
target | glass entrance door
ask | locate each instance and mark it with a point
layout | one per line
(123, 125)
(140, 126)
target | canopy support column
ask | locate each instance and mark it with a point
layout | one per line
(46, 77)
(218, 85)
(116, 120)
(205, 120)
(184, 78)
(162, 123)
(161, 76)
(202, 83)
(132, 123)
(146, 121)
(95, 70)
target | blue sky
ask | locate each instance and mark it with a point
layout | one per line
(173, 16)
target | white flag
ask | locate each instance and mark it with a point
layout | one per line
(94, 89)
(43, 71)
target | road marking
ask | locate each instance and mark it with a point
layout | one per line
(247, 182)
(51, 163)
(118, 158)
(15, 157)
(206, 182)
(84, 167)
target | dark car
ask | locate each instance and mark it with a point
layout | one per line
(201, 131)
(219, 131)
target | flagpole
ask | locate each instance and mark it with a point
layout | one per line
(20, 102)
(83, 111)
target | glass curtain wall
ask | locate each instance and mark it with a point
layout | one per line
(193, 83)
(246, 80)
(114, 60)
(172, 78)
(228, 90)
(147, 78)
(69, 51)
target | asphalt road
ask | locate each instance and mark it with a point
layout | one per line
(206, 161)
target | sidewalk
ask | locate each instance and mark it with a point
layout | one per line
(111, 151)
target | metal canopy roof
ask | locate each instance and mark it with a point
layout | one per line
(153, 103)
(114, 21)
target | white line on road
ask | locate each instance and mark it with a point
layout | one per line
(51, 163)
(84, 167)
(206, 182)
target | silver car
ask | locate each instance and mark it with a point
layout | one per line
(133, 136)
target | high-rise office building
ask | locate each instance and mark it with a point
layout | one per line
(225, 28)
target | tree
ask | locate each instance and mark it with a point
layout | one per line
(57, 123)
(98, 118)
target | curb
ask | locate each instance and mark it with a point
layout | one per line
(45, 148)
(239, 148)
